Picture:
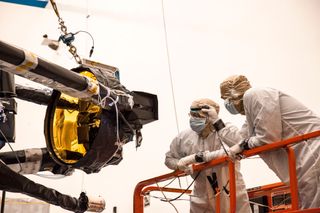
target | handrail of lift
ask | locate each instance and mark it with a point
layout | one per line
(144, 186)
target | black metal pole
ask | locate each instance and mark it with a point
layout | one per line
(3, 201)
(15, 56)
(47, 73)
(9, 105)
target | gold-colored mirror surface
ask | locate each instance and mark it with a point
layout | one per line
(74, 127)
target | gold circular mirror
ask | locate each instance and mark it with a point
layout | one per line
(73, 127)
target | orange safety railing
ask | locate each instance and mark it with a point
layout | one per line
(144, 186)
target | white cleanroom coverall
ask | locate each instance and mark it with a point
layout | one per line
(271, 116)
(202, 199)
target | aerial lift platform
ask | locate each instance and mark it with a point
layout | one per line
(276, 197)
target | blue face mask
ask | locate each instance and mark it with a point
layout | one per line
(197, 124)
(230, 107)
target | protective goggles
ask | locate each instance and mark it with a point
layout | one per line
(196, 111)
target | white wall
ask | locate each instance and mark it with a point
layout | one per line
(274, 43)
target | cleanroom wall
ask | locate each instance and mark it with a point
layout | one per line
(274, 43)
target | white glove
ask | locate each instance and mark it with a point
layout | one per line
(235, 150)
(185, 161)
(187, 169)
(211, 112)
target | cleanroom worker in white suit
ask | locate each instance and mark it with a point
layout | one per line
(199, 144)
(271, 116)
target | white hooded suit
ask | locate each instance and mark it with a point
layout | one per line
(203, 196)
(273, 116)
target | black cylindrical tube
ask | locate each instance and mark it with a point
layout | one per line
(54, 72)
(3, 201)
(7, 87)
(14, 182)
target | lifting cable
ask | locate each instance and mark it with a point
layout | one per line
(169, 64)
(66, 37)
(172, 87)
(165, 199)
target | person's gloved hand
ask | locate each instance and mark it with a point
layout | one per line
(236, 150)
(211, 112)
(187, 169)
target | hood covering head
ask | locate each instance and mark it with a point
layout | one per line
(232, 90)
(234, 87)
(195, 110)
